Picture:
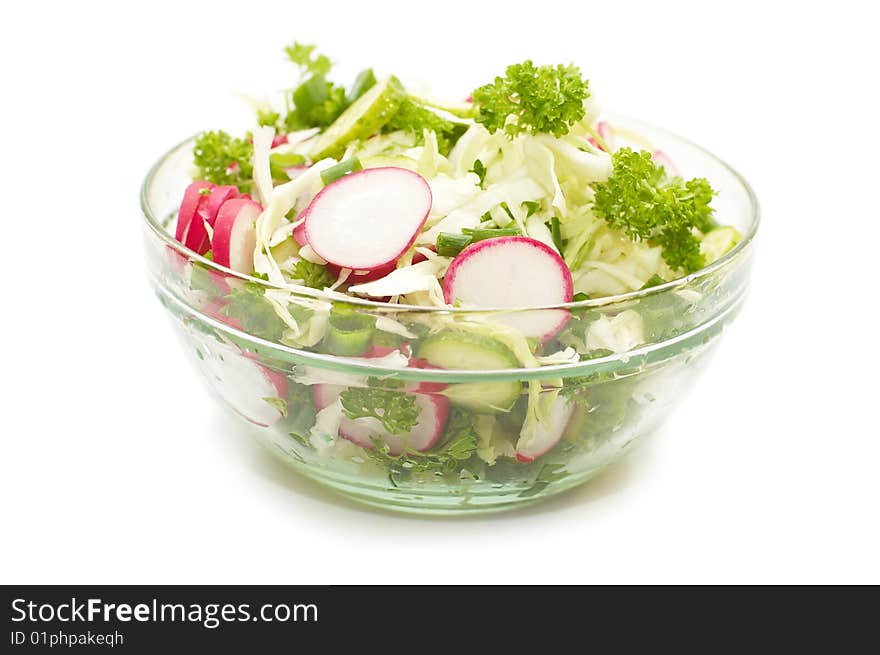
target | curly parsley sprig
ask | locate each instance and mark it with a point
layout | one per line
(642, 201)
(534, 99)
(223, 159)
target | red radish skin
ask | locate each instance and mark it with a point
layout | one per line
(424, 386)
(235, 236)
(188, 206)
(512, 272)
(276, 379)
(299, 234)
(367, 219)
(361, 277)
(278, 139)
(384, 351)
(433, 411)
(195, 235)
(211, 206)
(190, 229)
(405, 348)
(547, 435)
(419, 257)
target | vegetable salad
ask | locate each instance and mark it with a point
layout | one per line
(514, 198)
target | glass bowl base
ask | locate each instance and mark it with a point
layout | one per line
(436, 499)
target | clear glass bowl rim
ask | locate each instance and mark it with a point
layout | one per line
(343, 364)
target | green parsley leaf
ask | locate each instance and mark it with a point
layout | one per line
(316, 103)
(256, 315)
(540, 99)
(414, 117)
(308, 61)
(396, 411)
(222, 159)
(268, 117)
(313, 275)
(639, 199)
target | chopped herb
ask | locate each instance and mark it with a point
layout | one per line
(396, 411)
(256, 315)
(459, 445)
(313, 275)
(222, 159)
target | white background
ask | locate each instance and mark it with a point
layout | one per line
(116, 467)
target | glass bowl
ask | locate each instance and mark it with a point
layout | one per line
(478, 436)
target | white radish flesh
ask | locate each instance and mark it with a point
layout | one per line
(247, 386)
(215, 200)
(367, 219)
(433, 411)
(235, 236)
(512, 272)
(547, 434)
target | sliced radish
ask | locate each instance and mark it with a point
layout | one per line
(195, 235)
(367, 219)
(433, 411)
(299, 234)
(249, 388)
(423, 386)
(276, 379)
(512, 272)
(546, 435)
(210, 205)
(234, 235)
(189, 205)
(360, 277)
(278, 139)
(190, 230)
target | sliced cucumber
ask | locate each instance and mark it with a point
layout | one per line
(484, 397)
(473, 352)
(363, 118)
(719, 241)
